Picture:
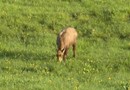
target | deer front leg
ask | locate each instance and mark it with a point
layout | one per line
(65, 54)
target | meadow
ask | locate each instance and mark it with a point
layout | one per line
(28, 31)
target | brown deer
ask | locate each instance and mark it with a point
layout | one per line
(65, 39)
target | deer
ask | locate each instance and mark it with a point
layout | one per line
(65, 39)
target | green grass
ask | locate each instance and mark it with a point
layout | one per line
(28, 31)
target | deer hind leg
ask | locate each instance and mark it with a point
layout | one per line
(74, 50)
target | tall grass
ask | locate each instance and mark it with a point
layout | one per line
(28, 30)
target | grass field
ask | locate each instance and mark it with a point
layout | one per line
(28, 31)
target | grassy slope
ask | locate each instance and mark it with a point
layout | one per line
(28, 32)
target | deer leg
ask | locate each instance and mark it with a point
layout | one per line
(65, 54)
(74, 48)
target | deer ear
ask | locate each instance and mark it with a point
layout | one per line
(63, 50)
